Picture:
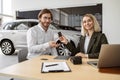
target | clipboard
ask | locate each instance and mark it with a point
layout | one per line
(54, 67)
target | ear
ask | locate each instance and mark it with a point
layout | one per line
(39, 19)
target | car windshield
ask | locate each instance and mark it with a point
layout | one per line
(19, 25)
(61, 27)
(54, 27)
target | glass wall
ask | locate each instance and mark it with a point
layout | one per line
(5, 11)
(0, 6)
(7, 7)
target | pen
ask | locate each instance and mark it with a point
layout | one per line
(51, 65)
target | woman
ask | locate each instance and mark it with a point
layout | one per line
(90, 41)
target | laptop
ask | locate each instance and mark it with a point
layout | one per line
(109, 56)
(62, 57)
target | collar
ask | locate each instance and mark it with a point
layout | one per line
(40, 27)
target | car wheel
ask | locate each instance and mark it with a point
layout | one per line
(62, 51)
(7, 47)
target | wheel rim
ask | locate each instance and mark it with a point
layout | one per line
(6, 48)
(63, 51)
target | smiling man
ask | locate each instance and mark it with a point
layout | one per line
(40, 39)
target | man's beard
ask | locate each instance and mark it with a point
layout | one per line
(45, 25)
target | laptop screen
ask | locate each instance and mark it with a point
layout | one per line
(109, 56)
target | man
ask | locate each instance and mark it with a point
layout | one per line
(40, 39)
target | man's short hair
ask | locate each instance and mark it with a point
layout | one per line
(44, 11)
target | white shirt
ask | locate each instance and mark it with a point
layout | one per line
(38, 42)
(87, 40)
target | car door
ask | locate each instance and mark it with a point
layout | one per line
(21, 32)
(16, 32)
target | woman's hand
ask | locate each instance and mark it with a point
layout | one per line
(82, 55)
(63, 39)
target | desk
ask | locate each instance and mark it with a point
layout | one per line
(31, 70)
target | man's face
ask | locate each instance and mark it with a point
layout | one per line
(45, 20)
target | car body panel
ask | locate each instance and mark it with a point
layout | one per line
(18, 35)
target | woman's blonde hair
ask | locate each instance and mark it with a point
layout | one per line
(96, 25)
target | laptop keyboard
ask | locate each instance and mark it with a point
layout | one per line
(93, 63)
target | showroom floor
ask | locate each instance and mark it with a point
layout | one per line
(6, 61)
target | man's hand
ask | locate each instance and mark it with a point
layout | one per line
(53, 44)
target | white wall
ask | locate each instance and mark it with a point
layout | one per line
(39, 4)
(111, 12)
(111, 20)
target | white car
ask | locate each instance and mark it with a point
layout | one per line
(13, 35)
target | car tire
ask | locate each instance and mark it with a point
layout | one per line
(63, 51)
(7, 47)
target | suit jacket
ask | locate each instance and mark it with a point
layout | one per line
(97, 39)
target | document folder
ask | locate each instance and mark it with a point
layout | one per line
(55, 67)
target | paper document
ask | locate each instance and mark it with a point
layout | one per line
(55, 67)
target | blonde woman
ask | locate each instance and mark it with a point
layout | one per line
(90, 41)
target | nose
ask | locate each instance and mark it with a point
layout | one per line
(87, 23)
(48, 19)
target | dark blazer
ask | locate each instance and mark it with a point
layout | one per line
(97, 39)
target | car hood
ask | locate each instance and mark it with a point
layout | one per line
(68, 32)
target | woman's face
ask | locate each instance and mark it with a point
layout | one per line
(88, 23)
